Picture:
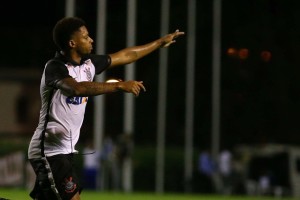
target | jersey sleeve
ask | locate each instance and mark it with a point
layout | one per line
(54, 72)
(101, 62)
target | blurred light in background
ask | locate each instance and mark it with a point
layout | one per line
(266, 56)
(243, 53)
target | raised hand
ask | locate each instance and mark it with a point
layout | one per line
(170, 38)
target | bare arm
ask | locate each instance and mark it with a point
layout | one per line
(131, 54)
(70, 87)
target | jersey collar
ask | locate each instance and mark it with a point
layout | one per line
(65, 59)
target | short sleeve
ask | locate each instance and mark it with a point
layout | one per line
(54, 72)
(101, 62)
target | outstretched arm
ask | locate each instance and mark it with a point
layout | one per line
(70, 87)
(131, 54)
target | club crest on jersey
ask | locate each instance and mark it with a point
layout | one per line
(76, 100)
(88, 74)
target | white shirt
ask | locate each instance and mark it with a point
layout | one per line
(61, 117)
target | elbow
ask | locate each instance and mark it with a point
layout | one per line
(79, 91)
(124, 57)
(131, 56)
(75, 92)
(72, 88)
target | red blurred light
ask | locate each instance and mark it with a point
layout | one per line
(243, 53)
(266, 56)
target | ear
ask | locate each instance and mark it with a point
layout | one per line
(72, 43)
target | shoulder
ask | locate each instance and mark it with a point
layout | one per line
(55, 70)
(99, 59)
(55, 62)
(54, 65)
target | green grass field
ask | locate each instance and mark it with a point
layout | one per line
(18, 194)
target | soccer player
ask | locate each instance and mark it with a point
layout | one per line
(66, 84)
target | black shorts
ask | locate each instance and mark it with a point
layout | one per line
(55, 178)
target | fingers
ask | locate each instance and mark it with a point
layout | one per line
(169, 43)
(142, 86)
(137, 88)
(134, 87)
(177, 33)
(170, 38)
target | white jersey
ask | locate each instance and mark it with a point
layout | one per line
(61, 117)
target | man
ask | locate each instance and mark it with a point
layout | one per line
(66, 84)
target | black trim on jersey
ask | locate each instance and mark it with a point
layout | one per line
(45, 125)
(64, 59)
(101, 62)
(55, 71)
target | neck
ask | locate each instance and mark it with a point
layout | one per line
(72, 56)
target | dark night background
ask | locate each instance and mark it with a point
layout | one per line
(260, 100)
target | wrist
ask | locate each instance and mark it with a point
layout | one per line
(115, 83)
(161, 43)
(119, 86)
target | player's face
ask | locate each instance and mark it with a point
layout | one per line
(82, 42)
